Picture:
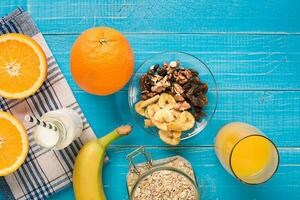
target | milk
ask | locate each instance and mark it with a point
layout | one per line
(69, 125)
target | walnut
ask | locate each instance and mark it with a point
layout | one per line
(151, 94)
(182, 106)
(162, 72)
(178, 97)
(170, 71)
(177, 89)
(188, 74)
(144, 96)
(183, 84)
(169, 76)
(174, 64)
(159, 88)
(164, 65)
(153, 69)
(161, 85)
(155, 79)
(181, 79)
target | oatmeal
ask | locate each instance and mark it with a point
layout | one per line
(164, 184)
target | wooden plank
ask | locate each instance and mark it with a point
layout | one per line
(67, 16)
(214, 182)
(239, 62)
(275, 113)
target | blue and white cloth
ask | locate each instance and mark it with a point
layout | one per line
(44, 172)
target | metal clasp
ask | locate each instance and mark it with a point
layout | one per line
(139, 151)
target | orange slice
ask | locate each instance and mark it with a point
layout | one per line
(13, 143)
(23, 66)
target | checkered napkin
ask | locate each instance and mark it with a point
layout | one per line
(44, 172)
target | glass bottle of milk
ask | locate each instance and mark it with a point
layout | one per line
(69, 127)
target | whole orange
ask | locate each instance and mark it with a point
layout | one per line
(102, 61)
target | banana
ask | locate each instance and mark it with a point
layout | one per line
(150, 101)
(163, 115)
(87, 174)
(141, 105)
(184, 122)
(160, 125)
(161, 118)
(176, 113)
(148, 123)
(151, 110)
(139, 109)
(170, 137)
(166, 101)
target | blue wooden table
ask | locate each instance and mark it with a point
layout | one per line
(252, 47)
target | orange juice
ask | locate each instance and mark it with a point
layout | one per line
(246, 153)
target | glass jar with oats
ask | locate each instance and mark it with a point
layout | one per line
(165, 179)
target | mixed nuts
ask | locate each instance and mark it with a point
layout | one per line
(183, 84)
(173, 97)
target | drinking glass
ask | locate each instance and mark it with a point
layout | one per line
(246, 153)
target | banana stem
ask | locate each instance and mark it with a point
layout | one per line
(117, 133)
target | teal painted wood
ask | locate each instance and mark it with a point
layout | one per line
(213, 181)
(239, 62)
(67, 16)
(253, 49)
(275, 113)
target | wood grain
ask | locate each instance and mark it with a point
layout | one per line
(253, 49)
(214, 182)
(275, 113)
(239, 62)
(172, 16)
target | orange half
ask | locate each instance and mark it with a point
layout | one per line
(13, 144)
(23, 66)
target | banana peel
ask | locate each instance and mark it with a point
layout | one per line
(87, 174)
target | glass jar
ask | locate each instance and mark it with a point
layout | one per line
(168, 178)
(69, 125)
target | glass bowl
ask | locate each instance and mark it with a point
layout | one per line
(187, 61)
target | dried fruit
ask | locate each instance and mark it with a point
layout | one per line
(151, 100)
(166, 101)
(139, 108)
(170, 137)
(181, 83)
(173, 97)
(148, 123)
(185, 121)
(151, 110)
(141, 105)
(162, 117)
